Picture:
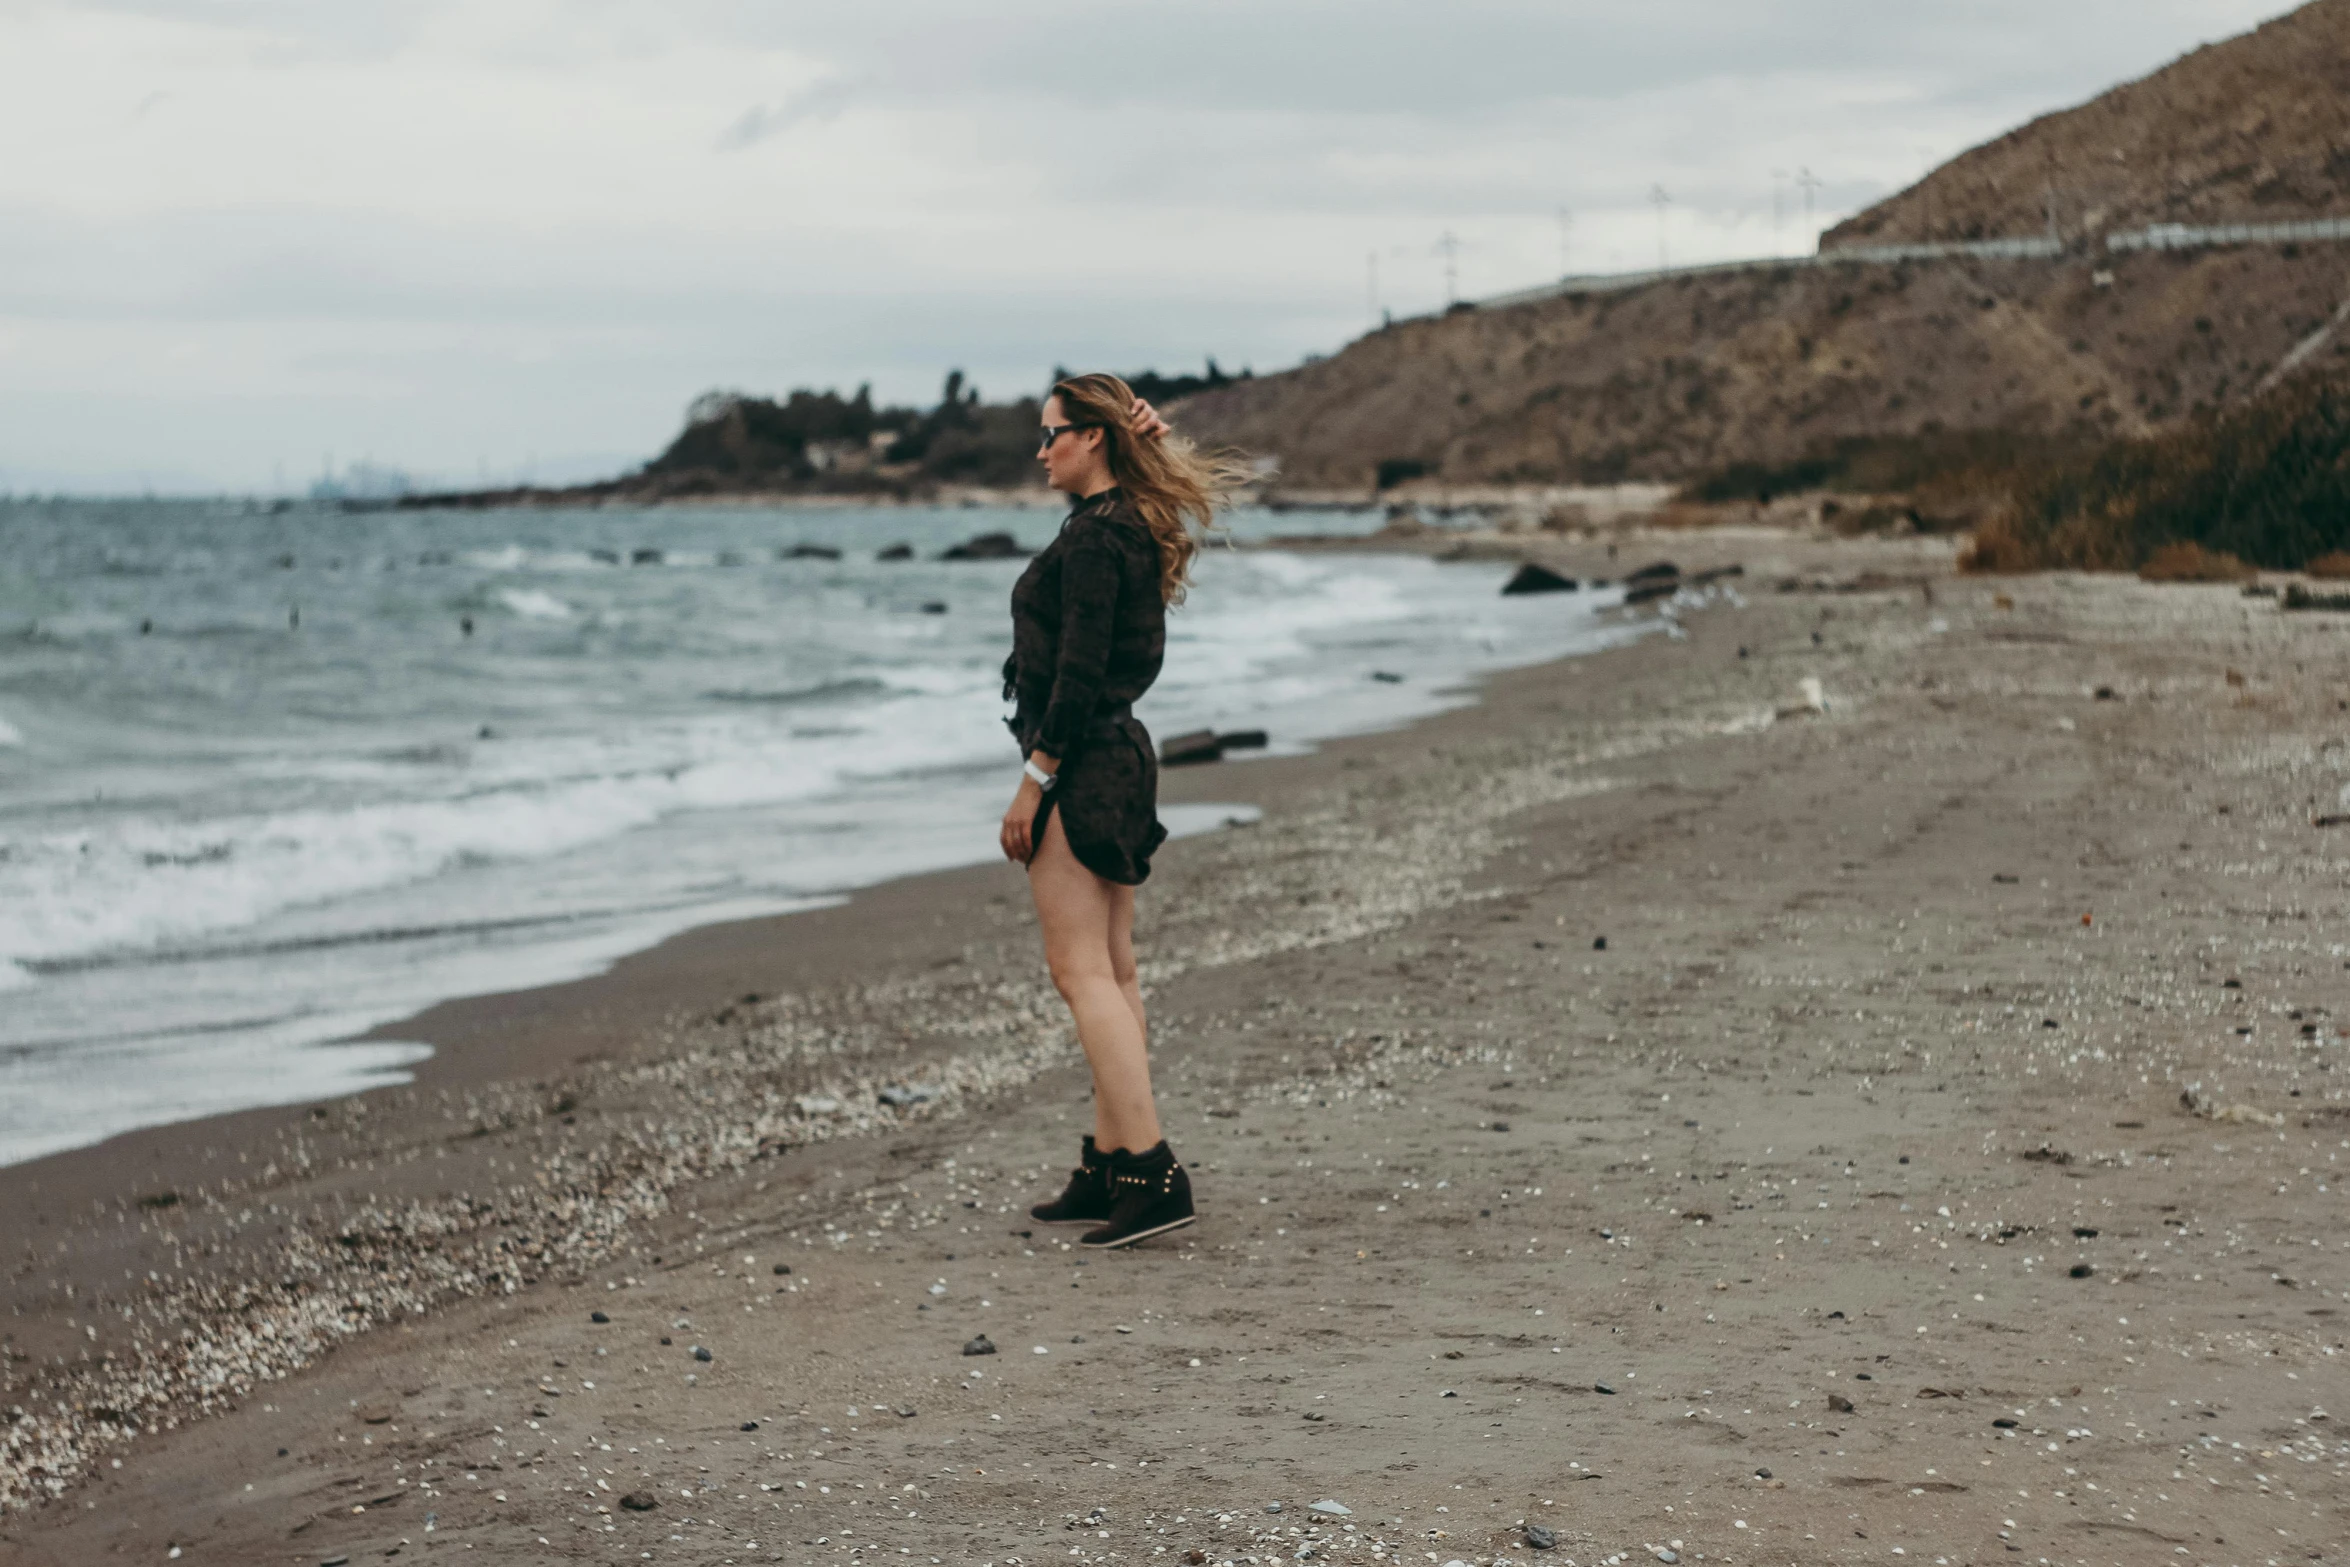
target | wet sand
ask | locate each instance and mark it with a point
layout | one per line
(1738, 1237)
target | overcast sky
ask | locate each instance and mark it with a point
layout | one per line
(465, 237)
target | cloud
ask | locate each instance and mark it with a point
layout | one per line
(760, 122)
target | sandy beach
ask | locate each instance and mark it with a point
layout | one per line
(1642, 1116)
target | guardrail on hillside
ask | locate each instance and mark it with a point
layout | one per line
(2027, 249)
(2161, 236)
(2180, 236)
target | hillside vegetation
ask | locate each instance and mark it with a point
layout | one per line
(2266, 483)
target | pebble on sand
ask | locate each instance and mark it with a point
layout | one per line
(981, 1345)
(1541, 1539)
(1331, 1509)
(701, 1354)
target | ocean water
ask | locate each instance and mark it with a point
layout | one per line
(261, 791)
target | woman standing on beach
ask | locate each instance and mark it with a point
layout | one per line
(1088, 634)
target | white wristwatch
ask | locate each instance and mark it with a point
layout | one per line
(1044, 780)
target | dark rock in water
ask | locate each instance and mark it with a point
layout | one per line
(1658, 572)
(987, 546)
(1388, 676)
(1642, 592)
(1242, 739)
(1540, 1539)
(897, 552)
(606, 557)
(933, 607)
(1199, 745)
(982, 1345)
(1531, 578)
(2082, 1270)
(811, 552)
(1599, 945)
(597, 1316)
(644, 557)
(639, 1502)
(782, 1268)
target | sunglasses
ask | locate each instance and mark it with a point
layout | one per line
(1053, 432)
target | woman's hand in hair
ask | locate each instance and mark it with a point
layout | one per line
(1145, 421)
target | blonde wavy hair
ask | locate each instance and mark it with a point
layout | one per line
(1175, 488)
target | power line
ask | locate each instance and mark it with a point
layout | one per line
(1811, 184)
(1448, 245)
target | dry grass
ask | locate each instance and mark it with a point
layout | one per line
(2334, 566)
(2186, 561)
(2267, 482)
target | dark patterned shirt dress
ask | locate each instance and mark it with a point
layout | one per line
(1089, 631)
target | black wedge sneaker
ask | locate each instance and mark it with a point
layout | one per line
(1086, 1199)
(1150, 1194)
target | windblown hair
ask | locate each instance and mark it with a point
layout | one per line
(1175, 488)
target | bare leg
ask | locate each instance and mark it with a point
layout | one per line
(1076, 909)
(1122, 954)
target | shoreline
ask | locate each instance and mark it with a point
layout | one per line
(522, 1048)
(1401, 952)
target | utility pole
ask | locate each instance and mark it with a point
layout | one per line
(1663, 199)
(1448, 245)
(1566, 241)
(1811, 184)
